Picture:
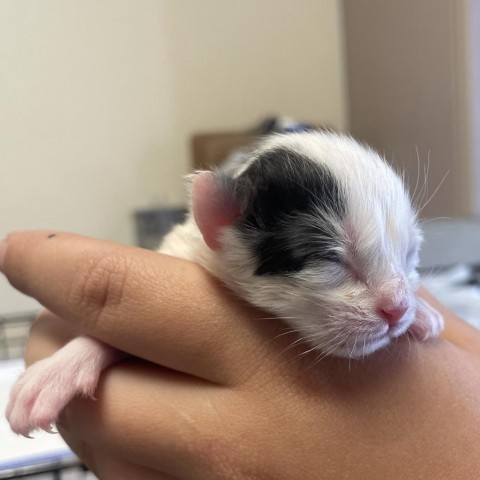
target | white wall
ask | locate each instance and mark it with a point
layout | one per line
(98, 98)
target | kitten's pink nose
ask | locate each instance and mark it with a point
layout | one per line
(392, 315)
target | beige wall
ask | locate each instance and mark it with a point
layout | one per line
(473, 52)
(409, 90)
(98, 98)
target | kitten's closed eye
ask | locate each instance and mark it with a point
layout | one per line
(335, 257)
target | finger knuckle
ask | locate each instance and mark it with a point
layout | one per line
(98, 287)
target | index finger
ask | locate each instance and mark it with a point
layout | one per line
(160, 308)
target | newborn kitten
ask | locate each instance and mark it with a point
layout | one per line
(313, 228)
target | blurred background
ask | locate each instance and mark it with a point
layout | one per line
(99, 101)
(105, 105)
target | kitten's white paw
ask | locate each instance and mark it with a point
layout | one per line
(428, 322)
(42, 392)
(44, 389)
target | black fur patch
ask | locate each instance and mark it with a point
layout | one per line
(282, 191)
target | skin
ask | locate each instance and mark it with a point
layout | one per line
(217, 392)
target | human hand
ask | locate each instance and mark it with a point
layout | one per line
(224, 395)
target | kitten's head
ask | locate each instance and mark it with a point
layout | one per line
(318, 230)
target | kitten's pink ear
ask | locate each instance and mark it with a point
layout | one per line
(213, 206)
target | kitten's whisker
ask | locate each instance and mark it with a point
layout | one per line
(434, 193)
(418, 174)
